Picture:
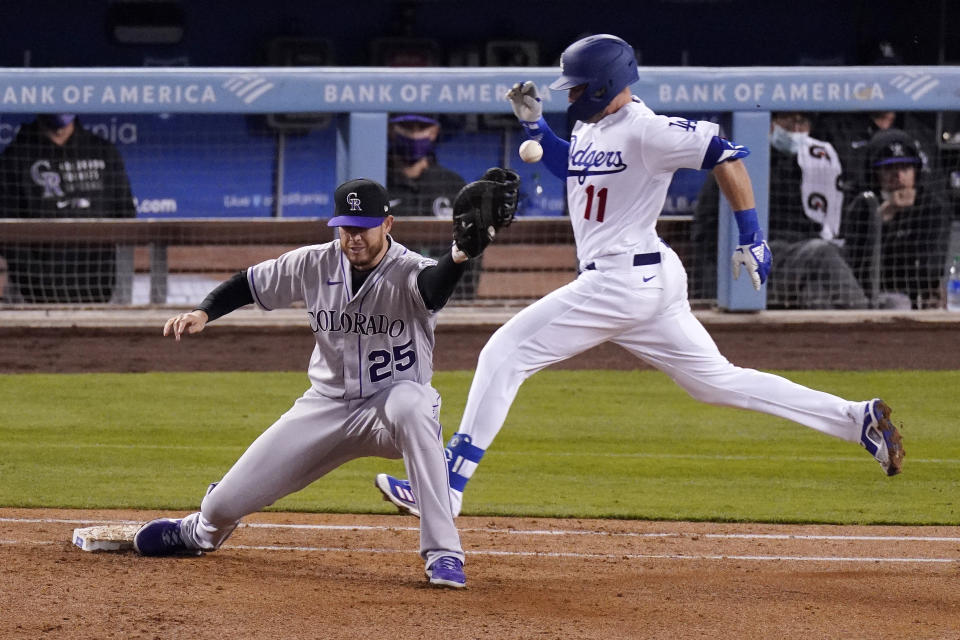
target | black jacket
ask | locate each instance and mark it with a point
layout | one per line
(432, 194)
(913, 247)
(84, 178)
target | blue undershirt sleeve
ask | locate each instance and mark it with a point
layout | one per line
(555, 149)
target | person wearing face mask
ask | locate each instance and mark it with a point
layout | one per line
(421, 186)
(850, 132)
(913, 221)
(418, 184)
(54, 168)
(809, 268)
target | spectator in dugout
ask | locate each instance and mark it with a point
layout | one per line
(851, 132)
(907, 218)
(421, 186)
(809, 267)
(417, 183)
(54, 168)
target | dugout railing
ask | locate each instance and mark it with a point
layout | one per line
(529, 259)
(163, 242)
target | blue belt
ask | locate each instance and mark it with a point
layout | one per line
(639, 260)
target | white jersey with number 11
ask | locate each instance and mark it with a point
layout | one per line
(618, 173)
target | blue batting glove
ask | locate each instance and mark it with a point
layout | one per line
(753, 250)
(758, 259)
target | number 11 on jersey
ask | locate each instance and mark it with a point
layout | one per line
(601, 203)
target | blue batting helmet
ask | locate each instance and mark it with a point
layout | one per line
(605, 63)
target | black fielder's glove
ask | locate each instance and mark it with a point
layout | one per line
(484, 207)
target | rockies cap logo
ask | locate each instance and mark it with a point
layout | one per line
(353, 201)
(896, 149)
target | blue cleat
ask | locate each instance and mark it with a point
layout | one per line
(399, 492)
(447, 571)
(161, 537)
(881, 438)
(459, 451)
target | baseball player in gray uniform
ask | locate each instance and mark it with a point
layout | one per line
(632, 288)
(372, 306)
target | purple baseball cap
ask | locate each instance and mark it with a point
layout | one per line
(413, 117)
(55, 121)
(360, 203)
(893, 146)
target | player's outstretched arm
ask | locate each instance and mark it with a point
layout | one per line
(528, 108)
(735, 184)
(752, 251)
(192, 322)
(436, 283)
(229, 295)
(479, 211)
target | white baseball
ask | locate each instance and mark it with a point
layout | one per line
(531, 151)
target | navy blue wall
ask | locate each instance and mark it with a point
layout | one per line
(711, 32)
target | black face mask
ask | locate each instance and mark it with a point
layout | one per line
(409, 150)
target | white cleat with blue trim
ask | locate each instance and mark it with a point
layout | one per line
(399, 492)
(881, 438)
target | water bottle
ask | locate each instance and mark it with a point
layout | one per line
(953, 286)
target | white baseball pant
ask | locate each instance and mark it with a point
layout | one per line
(645, 310)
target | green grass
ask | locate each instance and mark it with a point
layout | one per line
(576, 444)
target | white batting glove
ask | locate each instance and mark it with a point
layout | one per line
(525, 102)
(758, 259)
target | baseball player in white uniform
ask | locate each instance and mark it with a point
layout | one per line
(632, 288)
(372, 306)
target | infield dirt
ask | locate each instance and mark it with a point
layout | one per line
(348, 576)
(848, 346)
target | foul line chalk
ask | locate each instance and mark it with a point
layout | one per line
(534, 532)
(608, 556)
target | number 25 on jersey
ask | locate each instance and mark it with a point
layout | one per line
(382, 361)
(601, 203)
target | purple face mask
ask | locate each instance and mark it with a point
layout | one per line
(55, 121)
(409, 150)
